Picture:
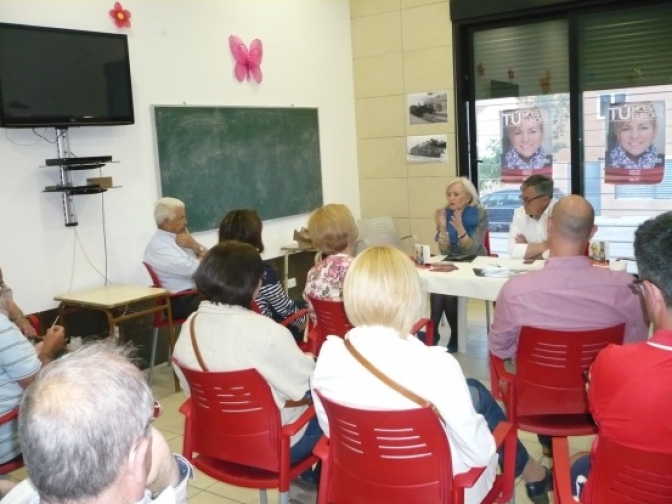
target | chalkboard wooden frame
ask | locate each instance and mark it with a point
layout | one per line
(217, 159)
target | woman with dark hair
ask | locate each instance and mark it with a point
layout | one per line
(272, 299)
(231, 337)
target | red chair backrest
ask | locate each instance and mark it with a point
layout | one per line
(153, 275)
(550, 367)
(622, 475)
(234, 418)
(331, 320)
(397, 456)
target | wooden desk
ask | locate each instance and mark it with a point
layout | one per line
(111, 298)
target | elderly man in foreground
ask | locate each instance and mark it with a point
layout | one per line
(91, 440)
(174, 254)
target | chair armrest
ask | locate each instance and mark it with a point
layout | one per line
(293, 317)
(502, 373)
(294, 427)
(561, 472)
(10, 415)
(186, 408)
(469, 478)
(429, 332)
(321, 449)
(506, 436)
(189, 292)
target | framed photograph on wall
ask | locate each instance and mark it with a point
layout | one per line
(428, 108)
(426, 149)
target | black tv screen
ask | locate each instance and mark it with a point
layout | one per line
(60, 78)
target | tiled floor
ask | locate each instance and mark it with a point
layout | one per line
(205, 490)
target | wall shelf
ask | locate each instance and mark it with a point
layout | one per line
(67, 165)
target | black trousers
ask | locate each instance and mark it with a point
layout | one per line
(183, 306)
(440, 304)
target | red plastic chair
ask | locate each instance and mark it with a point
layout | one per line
(547, 394)
(618, 475)
(401, 456)
(35, 322)
(331, 320)
(233, 423)
(160, 321)
(16, 462)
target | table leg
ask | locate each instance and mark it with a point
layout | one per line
(171, 342)
(462, 328)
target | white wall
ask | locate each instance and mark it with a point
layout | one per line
(179, 54)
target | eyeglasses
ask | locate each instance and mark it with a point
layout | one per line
(638, 285)
(527, 201)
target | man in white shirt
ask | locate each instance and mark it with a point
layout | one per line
(528, 237)
(174, 254)
(91, 439)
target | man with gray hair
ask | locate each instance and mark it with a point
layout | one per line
(91, 439)
(174, 254)
(528, 238)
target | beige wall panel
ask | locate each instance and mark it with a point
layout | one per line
(426, 194)
(367, 7)
(380, 117)
(426, 26)
(405, 4)
(382, 157)
(446, 170)
(378, 76)
(384, 197)
(428, 69)
(376, 35)
(425, 230)
(434, 128)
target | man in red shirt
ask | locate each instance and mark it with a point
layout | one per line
(631, 385)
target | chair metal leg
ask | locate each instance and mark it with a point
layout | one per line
(284, 498)
(152, 357)
(262, 497)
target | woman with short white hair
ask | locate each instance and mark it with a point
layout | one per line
(460, 229)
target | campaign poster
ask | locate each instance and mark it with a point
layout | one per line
(527, 143)
(635, 143)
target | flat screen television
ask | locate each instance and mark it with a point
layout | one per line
(51, 77)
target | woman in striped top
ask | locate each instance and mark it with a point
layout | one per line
(272, 300)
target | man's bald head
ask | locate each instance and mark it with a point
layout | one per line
(572, 220)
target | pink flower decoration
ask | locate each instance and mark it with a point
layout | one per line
(247, 61)
(121, 16)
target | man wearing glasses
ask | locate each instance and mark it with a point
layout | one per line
(631, 385)
(528, 238)
(86, 432)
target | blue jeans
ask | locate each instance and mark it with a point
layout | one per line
(304, 446)
(486, 405)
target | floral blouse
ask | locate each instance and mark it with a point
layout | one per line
(325, 280)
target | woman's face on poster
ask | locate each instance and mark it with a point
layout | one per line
(526, 139)
(635, 136)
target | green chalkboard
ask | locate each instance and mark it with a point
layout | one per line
(217, 159)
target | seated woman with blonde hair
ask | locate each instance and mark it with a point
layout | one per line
(383, 299)
(334, 232)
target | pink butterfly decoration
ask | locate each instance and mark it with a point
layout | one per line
(247, 61)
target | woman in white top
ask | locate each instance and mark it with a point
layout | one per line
(383, 297)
